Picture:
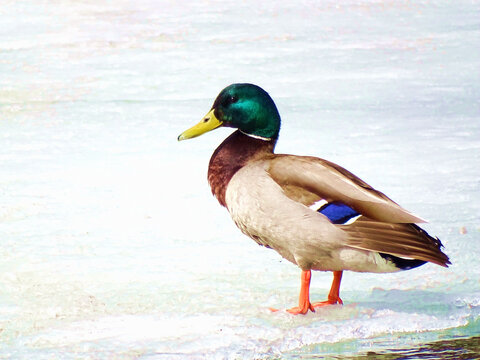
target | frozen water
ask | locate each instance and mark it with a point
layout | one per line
(111, 245)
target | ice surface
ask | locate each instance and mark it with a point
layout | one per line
(111, 245)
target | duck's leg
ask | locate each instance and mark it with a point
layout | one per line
(334, 295)
(304, 299)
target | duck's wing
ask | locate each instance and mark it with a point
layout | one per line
(405, 241)
(370, 219)
(333, 183)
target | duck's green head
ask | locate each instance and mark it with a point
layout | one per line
(246, 107)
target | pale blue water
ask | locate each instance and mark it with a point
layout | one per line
(111, 245)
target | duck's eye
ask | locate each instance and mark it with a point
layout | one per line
(230, 100)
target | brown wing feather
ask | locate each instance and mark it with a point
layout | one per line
(403, 240)
(300, 195)
(333, 183)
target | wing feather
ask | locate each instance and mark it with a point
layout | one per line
(402, 240)
(334, 183)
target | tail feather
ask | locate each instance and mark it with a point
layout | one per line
(405, 241)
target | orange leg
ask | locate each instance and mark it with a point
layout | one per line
(304, 299)
(334, 295)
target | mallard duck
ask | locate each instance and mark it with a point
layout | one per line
(313, 212)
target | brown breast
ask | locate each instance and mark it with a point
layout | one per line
(232, 154)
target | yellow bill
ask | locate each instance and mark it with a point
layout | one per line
(208, 123)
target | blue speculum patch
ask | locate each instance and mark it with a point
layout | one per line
(338, 213)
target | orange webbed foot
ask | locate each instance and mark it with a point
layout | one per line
(304, 303)
(334, 295)
(301, 309)
(330, 301)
